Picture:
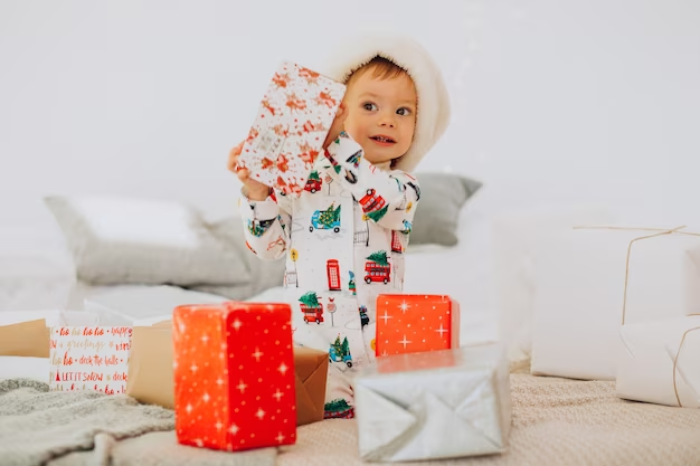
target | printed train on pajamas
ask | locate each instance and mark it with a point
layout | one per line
(234, 376)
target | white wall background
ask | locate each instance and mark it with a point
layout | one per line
(554, 101)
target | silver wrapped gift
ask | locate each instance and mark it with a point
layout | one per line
(438, 404)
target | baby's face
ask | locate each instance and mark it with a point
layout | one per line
(381, 115)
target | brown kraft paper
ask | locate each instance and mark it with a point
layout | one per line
(150, 378)
(29, 339)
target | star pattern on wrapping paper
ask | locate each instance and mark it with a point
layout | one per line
(222, 399)
(426, 327)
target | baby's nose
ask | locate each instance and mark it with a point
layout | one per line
(387, 120)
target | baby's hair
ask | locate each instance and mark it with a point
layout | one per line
(381, 68)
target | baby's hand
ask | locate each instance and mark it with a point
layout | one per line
(337, 126)
(253, 189)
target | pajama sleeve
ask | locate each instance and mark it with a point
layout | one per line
(267, 225)
(387, 198)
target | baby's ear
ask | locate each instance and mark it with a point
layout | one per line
(342, 112)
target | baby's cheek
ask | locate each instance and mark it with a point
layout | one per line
(353, 129)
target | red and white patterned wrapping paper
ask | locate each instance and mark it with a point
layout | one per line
(291, 125)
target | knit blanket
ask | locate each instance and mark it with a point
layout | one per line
(38, 427)
(555, 422)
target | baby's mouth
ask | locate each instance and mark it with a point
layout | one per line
(383, 139)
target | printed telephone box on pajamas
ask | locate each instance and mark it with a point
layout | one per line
(333, 272)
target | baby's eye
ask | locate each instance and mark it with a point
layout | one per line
(403, 111)
(370, 107)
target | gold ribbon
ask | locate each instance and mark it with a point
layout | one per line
(657, 232)
(675, 362)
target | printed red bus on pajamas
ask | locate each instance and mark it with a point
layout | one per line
(377, 268)
(311, 307)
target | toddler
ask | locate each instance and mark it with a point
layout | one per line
(344, 238)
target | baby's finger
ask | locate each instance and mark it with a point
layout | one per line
(233, 157)
(238, 149)
(243, 174)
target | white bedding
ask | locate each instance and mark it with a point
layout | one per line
(36, 273)
(36, 270)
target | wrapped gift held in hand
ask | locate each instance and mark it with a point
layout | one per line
(234, 376)
(292, 122)
(416, 323)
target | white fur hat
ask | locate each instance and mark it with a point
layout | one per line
(433, 101)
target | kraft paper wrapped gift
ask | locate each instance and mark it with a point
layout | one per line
(586, 289)
(659, 362)
(293, 120)
(27, 333)
(29, 339)
(151, 373)
(151, 365)
(432, 405)
(311, 374)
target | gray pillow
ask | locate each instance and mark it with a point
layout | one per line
(443, 195)
(149, 242)
(263, 274)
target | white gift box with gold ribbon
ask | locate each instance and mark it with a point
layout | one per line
(591, 280)
(659, 362)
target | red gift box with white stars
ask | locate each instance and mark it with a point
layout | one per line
(233, 367)
(416, 323)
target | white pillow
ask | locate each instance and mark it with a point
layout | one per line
(463, 272)
(515, 241)
(36, 270)
(125, 241)
(143, 305)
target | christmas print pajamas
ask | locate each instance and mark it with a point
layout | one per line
(343, 240)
